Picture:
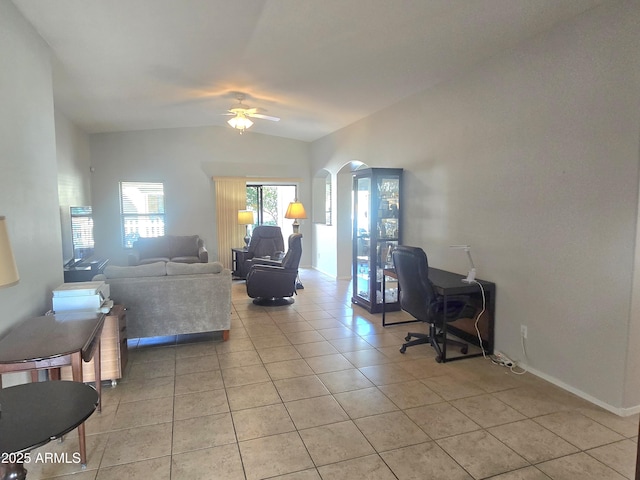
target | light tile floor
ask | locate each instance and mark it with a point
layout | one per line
(319, 390)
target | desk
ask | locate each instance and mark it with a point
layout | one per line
(51, 341)
(447, 284)
(34, 414)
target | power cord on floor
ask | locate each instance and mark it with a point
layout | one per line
(499, 359)
(484, 307)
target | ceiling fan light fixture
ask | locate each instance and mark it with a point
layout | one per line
(240, 122)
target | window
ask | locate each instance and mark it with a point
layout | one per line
(270, 203)
(141, 210)
(81, 232)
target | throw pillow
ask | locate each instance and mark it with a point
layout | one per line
(156, 269)
(174, 268)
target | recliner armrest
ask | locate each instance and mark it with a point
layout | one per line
(270, 281)
(264, 261)
(271, 270)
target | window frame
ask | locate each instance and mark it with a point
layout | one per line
(258, 209)
(130, 220)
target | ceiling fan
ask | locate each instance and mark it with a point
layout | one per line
(242, 115)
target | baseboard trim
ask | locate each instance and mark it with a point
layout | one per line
(332, 277)
(622, 412)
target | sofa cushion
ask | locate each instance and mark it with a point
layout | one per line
(183, 246)
(174, 268)
(149, 270)
(185, 259)
(146, 261)
(153, 247)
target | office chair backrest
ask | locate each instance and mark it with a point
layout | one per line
(416, 290)
(292, 259)
(266, 240)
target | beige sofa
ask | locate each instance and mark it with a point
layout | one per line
(172, 298)
(169, 248)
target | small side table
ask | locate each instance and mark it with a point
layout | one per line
(113, 350)
(33, 414)
(238, 256)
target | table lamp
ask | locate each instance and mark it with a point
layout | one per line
(245, 217)
(8, 270)
(295, 211)
(471, 276)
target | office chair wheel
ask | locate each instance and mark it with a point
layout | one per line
(407, 338)
(464, 350)
(403, 349)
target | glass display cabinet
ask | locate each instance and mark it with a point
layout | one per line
(377, 229)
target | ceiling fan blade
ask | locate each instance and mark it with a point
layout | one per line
(264, 117)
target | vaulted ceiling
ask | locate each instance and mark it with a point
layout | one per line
(319, 65)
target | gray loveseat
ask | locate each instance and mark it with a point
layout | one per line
(172, 298)
(169, 248)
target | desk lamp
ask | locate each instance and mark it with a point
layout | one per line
(8, 270)
(245, 217)
(471, 276)
(295, 211)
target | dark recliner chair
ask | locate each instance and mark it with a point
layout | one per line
(270, 282)
(419, 298)
(266, 242)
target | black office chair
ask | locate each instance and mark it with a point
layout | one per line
(419, 298)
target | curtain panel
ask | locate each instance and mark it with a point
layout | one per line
(231, 196)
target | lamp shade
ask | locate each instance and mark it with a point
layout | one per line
(245, 217)
(240, 122)
(295, 210)
(8, 269)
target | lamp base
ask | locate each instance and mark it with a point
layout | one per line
(247, 239)
(471, 276)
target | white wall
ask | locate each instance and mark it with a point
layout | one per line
(28, 178)
(74, 162)
(532, 158)
(185, 160)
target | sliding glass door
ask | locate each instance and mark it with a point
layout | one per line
(270, 202)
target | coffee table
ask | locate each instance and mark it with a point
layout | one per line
(33, 414)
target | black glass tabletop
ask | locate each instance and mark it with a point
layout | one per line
(36, 413)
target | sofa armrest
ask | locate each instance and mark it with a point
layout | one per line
(203, 254)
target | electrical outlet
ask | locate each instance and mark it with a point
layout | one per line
(523, 331)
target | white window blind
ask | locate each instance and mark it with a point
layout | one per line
(142, 211)
(82, 232)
